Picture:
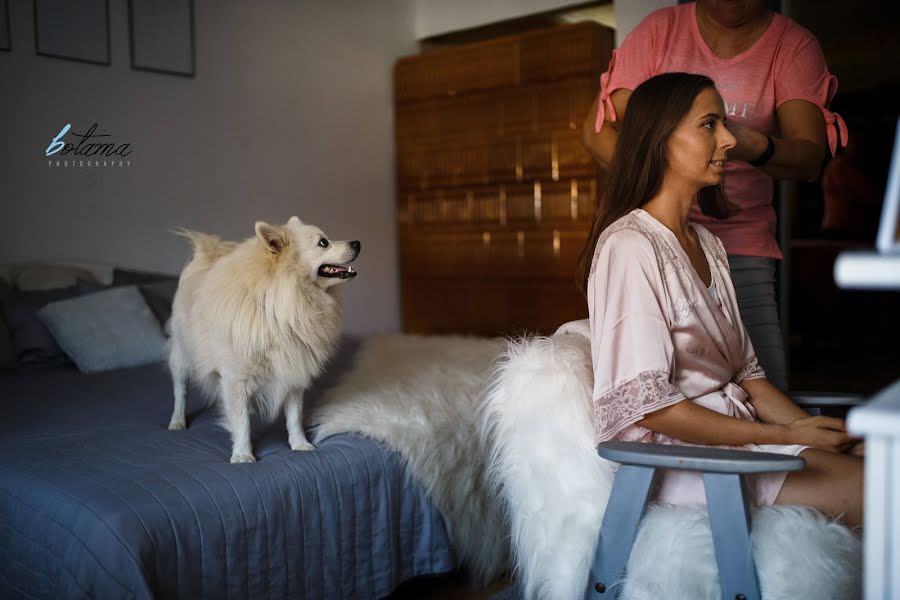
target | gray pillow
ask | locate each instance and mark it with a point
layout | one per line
(7, 352)
(33, 345)
(106, 330)
(135, 277)
(159, 296)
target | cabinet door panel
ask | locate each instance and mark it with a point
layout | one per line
(495, 193)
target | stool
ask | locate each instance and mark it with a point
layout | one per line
(729, 514)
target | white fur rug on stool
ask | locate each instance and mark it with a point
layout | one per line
(537, 426)
(419, 395)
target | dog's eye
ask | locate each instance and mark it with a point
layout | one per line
(323, 243)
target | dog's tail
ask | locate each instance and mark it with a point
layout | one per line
(207, 248)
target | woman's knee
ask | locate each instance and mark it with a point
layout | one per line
(831, 482)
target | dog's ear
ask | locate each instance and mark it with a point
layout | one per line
(272, 237)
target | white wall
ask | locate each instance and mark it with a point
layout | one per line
(631, 12)
(290, 112)
(435, 17)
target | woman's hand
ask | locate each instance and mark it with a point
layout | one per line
(799, 147)
(750, 143)
(858, 448)
(825, 433)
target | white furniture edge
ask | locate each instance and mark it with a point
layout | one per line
(878, 416)
(867, 270)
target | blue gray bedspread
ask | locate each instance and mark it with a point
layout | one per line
(99, 499)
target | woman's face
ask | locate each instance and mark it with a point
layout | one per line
(699, 145)
(733, 13)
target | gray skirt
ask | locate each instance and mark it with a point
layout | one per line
(754, 286)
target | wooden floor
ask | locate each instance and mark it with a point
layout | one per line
(445, 587)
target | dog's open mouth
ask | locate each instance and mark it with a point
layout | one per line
(336, 271)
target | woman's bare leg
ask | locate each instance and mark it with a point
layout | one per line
(831, 483)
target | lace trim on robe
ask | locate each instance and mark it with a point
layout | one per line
(752, 370)
(629, 402)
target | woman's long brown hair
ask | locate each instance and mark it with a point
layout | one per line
(639, 161)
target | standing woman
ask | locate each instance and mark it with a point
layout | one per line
(776, 89)
(672, 360)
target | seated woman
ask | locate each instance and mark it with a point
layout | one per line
(672, 360)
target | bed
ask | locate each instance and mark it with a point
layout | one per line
(99, 499)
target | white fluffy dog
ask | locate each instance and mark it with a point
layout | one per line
(255, 322)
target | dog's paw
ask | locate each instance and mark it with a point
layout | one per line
(242, 458)
(304, 445)
(177, 425)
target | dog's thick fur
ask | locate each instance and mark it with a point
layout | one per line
(253, 323)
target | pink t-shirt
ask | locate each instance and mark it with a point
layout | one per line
(786, 63)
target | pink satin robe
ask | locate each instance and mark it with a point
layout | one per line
(659, 337)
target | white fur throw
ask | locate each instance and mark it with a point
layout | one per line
(542, 458)
(419, 395)
(521, 458)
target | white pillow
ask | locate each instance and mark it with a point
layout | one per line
(106, 330)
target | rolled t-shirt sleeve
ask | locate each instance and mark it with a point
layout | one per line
(804, 75)
(631, 65)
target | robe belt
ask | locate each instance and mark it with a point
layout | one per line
(738, 397)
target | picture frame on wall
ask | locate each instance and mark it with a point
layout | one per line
(76, 31)
(5, 41)
(161, 36)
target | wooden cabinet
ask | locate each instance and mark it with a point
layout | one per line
(495, 193)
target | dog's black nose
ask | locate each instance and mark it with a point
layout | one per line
(356, 246)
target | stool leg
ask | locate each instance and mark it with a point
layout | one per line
(729, 519)
(627, 501)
